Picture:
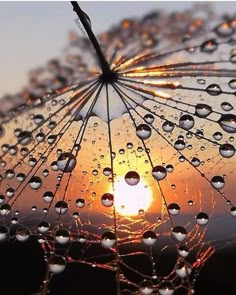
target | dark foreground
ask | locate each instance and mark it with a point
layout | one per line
(22, 270)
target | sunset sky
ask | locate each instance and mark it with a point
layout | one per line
(34, 32)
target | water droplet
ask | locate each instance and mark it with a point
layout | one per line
(39, 119)
(169, 168)
(186, 122)
(149, 238)
(56, 264)
(43, 227)
(228, 123)
(203, 110)
(179, 233)
(132, 178)
(149, 118)
(32, 162)
(213, 89)
(146, 287)
(179, 144)
(62, 236)
(82, 238)
(40, 137)
(201, 81)
(61, 207)
(232, 84)
(80, 203)
(108, 239)
(35, 182)
(5, 209)
(107, 200)
(24, 137)
(168, 126)
(227, 150)
(202, 218)
(107, 171)
(10, 173)
(22, 234)
(173, 209)
(129, 145)
(48, 196)
(226, 106)
(5, 147)
(159, 172)
(166, 288)
(2, 199)
(224, 30)
(195, 162)
(51, 139)
(183, 269)
(66, 162)
(183, 251)
(217, 182)
(209, 46)
(143, 131)
(218, 135)
(233, 211)
(10, 192)
(20, 177)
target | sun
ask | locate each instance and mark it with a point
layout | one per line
(128, 200)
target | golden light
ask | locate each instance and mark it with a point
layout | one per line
(130, 199)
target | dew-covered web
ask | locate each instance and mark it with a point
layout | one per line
(132, 172)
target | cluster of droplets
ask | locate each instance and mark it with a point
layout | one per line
(172, 106)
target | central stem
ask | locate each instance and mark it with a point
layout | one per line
(107, 74)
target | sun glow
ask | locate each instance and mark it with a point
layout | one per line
(129, 200)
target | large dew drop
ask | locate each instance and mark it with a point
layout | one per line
(24, 137)
(143, 131)
(132, 178)
(149, 238)
(228, 123)
(217, 182)
(186, 122)
(108, 239)
(179, 233)
(227, 150)
(56, 264)
(66, 162)
(35, 182)
(214, 90)
(159, 172)
(203, 110)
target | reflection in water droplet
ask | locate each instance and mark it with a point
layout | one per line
(209, 46)
(213, 89)
(203, 110)
(159, 172)
(132, 178)
(143, 131)
(186, 122)
(224, 30)
(228, 123)
(217, 182)
(226, 106)
(66, 162)
(227, 150)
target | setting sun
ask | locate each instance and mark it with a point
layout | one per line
(130, 199)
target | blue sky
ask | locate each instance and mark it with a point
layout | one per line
(33, 32)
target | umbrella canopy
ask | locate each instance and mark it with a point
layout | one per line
(125, 148)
